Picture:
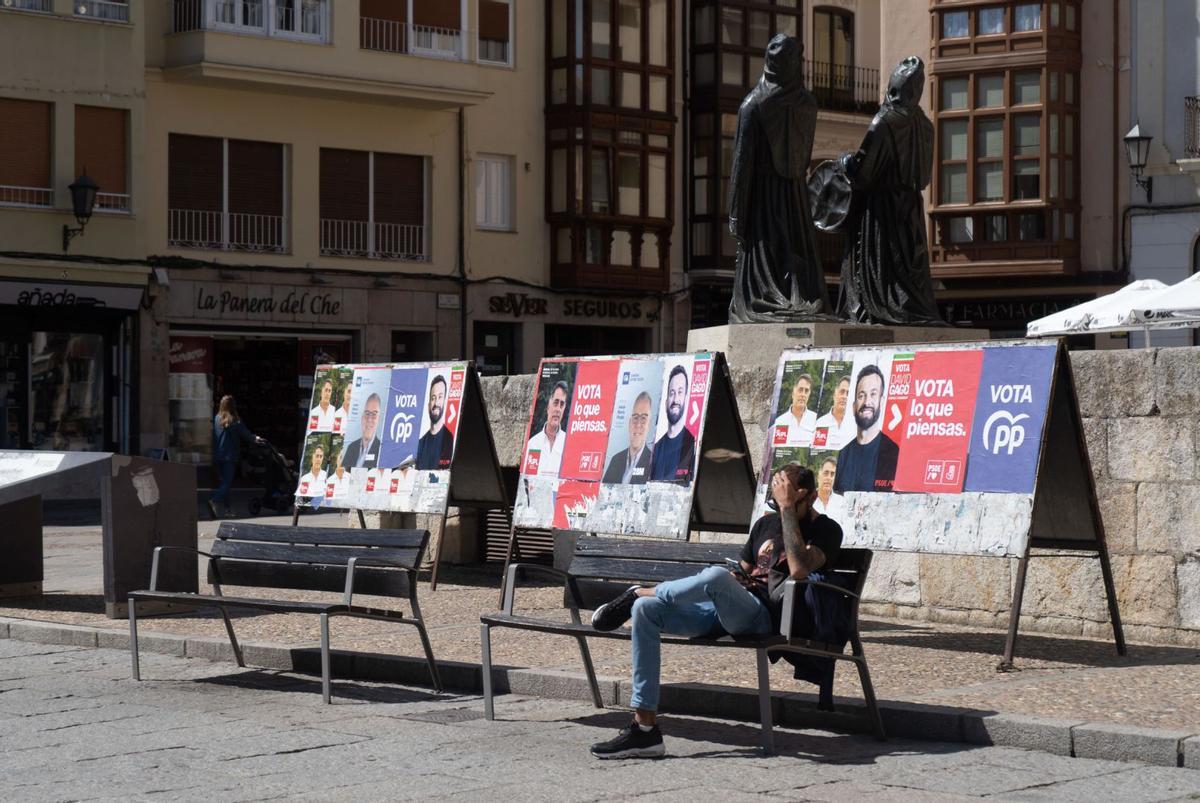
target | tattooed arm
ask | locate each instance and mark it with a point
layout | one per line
(802, 558)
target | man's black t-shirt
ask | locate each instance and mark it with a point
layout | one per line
(764, 552)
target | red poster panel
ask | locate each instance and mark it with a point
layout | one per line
(572, 502)
(454, 399)
(899, 391)
(699, 391)
(589, 417)
(937, 425)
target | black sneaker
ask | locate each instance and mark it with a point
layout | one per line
(213, 509)
(632, 742)
(615, 613)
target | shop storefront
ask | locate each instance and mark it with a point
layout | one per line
(65, 364)
(512, 328)
(259, 342)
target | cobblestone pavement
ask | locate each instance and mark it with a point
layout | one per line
(73, 726)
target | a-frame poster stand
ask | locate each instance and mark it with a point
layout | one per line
(723, 489)
(1066, 513)
(475, 478)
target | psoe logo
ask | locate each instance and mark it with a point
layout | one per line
(401, 428)
(1003, 430)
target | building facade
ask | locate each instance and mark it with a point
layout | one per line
(287, 182)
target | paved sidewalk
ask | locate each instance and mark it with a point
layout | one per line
(941, 669)
(73, 726)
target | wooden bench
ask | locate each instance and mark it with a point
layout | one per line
(618, 563)
(377, 562)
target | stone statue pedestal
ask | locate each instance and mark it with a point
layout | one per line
(752, 345)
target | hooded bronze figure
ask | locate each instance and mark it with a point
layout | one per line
(779, 276)
(885, 269)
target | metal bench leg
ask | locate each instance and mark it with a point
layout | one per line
(237, 648)
(133, 644)
(419, 621)
(485, 654)
(764, 702)
(325, 691)
(864, 677)
(590, 670)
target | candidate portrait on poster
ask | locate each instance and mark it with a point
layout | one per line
(436, 446)
(824, 466)
(868, 463)
(835, 425)
(544, 450)
(343, 392)
(630, 443)
(363, 451)
(320, 417)
(315, 461)
(674, 455)
(799, 389)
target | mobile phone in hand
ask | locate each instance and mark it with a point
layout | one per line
(736, 567)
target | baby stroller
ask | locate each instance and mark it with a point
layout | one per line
(275, 473)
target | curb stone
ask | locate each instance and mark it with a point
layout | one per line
(1111, 741)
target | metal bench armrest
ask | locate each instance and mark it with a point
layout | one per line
(790, 591)
(154, 562)
(515, 569)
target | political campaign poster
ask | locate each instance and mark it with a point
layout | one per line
(635, 417)
(948, 435)
(797, 396)
(834, 426)
(613, 444)
(390, 444)
(329, 393)
(545, 438)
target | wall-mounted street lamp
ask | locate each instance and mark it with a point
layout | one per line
(1137, 149)
(83, 201)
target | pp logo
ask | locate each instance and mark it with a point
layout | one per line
(401, 427)
(1003, 430)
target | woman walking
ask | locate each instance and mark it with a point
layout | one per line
(229, 433)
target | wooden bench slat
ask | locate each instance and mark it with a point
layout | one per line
(646, 571)
(261, 604)
(276, 533)
(585, 629)
(655, 550)
(312, 577)
(289, 553)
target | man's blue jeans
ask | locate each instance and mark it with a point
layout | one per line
(711, 603)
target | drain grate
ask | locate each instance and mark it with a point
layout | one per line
(447, 717)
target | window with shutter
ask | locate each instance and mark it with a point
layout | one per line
(372, 205)
(226, 194)
(25, 148)
(102, 150)
(495, 36)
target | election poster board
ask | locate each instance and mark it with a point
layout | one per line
(627, 445)
(965, 449)
(399, 437)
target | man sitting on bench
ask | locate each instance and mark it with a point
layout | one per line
(795, 542)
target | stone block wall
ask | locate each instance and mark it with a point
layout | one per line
(1140, 417)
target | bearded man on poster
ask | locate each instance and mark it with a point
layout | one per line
(868, 463)
(675, 451)
(436, 447)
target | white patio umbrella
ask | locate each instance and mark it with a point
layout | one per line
(1174, 306)
(1079, 319)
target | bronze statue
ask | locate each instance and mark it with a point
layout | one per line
(885, 269)
(779, 276)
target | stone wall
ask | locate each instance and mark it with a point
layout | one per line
(1139, 412)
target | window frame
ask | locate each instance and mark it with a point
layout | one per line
(512, 30)
(505, 194)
